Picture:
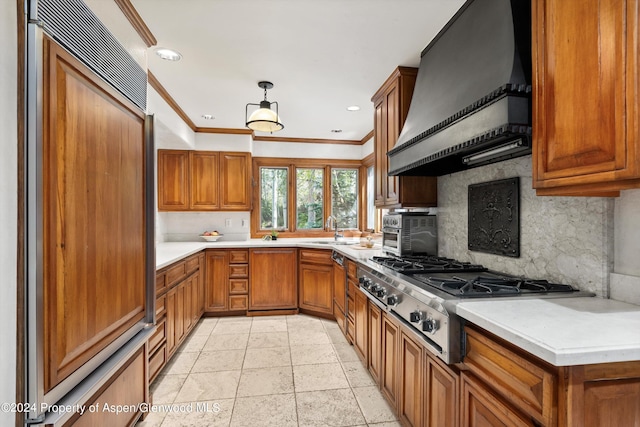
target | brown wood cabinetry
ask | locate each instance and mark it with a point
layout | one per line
(411, 396)
(391, 104)
(361, 317)
(273, 279)
(203, 183)
(586, 108)
(179, 305)
(227, 280)
(203, 180)
(374, 350)
(93, 211)
(316, 281)
(389, 357)
(442, 394)
(340, 296)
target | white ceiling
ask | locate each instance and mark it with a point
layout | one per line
(322, 56)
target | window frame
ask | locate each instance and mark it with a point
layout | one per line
(292, 165)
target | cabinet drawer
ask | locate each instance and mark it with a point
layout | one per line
(521, 380)
(351, 304)
(238, 302)
(352, 288)
(192, 263)
(161, 307)
(176, 273)
(239, 271)
(352, 270)
(316, 256)
(161, 285)
(340, 318)
(159, 336)
(238, 286)
(238, 257)
(157, 362)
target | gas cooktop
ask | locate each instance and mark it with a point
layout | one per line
(466, 280)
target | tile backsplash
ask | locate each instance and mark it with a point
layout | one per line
(564, 239)
(187, 226)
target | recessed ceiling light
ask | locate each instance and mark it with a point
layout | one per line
(208, 117)
(168, 54)
(353, 108)
(336, 130)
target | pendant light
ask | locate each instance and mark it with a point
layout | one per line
(264, 119)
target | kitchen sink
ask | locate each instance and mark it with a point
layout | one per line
(333, 242)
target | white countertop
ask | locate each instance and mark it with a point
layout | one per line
(561, 331)
(169, 252)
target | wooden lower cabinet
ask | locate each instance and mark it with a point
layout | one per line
(273, 279)
(316, 281)
(217, 279)
(389, 358)
(361, 316)
(410, 405)
(442, 394)
(128, 387)
(375, 336)
(482, 408)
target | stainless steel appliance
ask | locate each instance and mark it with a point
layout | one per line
(423, 291)
(406, 233)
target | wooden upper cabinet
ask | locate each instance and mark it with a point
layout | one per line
(204, 181)
(173, 180)
(586, 101)
(391, 105)
(205, 172)
(235, 181)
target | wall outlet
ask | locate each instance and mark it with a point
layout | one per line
(227, 222)
(245, 223)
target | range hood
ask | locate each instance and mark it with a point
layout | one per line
(472, 101)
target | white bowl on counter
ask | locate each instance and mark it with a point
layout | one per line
(211, 238)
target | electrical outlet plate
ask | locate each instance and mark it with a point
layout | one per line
(227, 222)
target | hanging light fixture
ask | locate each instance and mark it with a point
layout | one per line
(264, 119)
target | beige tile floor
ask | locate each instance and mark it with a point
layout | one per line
(267, 371)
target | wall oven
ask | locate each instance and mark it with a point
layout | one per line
(405, 233)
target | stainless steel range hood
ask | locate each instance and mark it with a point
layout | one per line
(472, 100)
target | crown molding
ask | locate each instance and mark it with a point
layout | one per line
(137, 22)
(307, 140)
(229, 131)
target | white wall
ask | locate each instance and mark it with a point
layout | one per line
(307, 150)
(625, 279)
(8, 205)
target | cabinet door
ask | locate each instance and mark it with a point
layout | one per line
(217, 279)
(93, 208)
(586, 103)
(195, 297)
(273, 282)
(173, 180)
(442, 386)
(236, 181)
(410, 407)
(204, 184)
(389, 370)
(316, 288)
(171, 321)
(380, 160)
(339, 287)
(481, 408)
(187, 310)
(362, 331)
(179, 329)
(393, 131)
(375, 346)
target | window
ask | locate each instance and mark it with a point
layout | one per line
(371, 207)
(313, 190)
(344, 197)
(274, 197)
(309, 199)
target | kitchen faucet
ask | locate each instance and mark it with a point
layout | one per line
(336, 235)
